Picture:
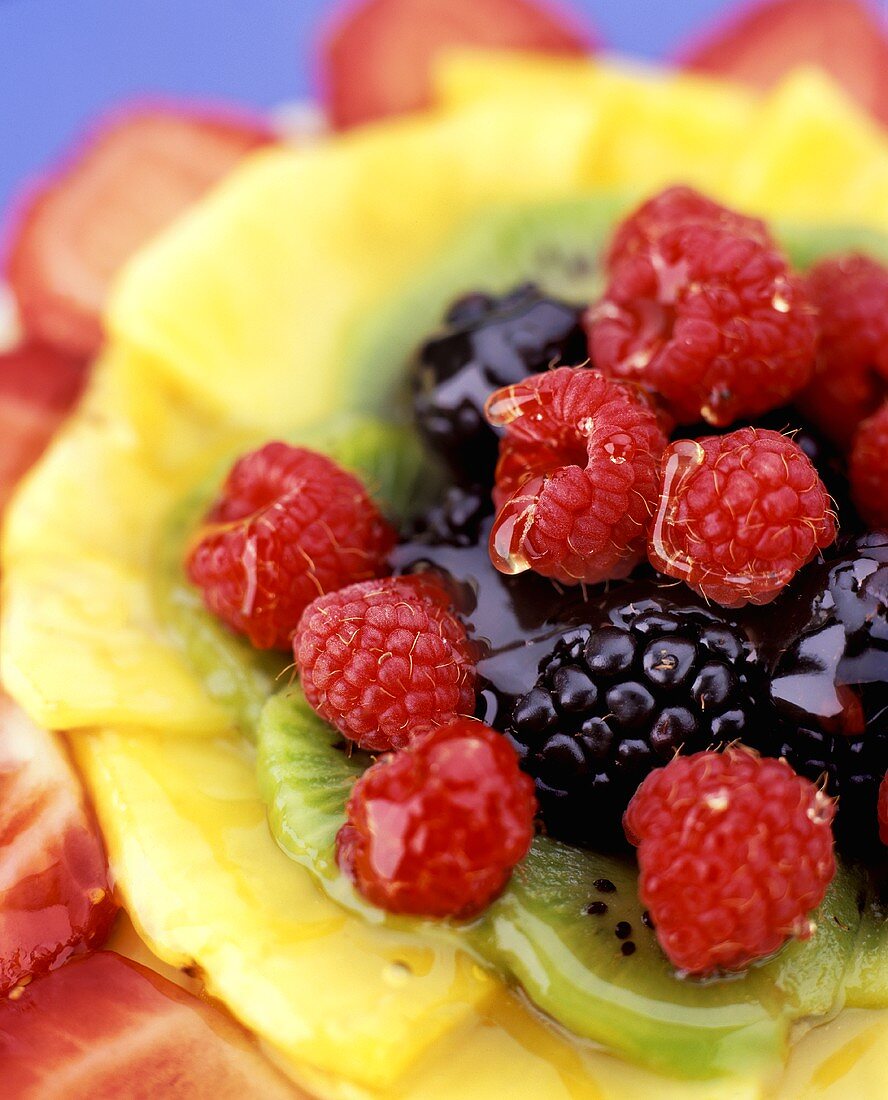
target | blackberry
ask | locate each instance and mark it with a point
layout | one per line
(617, 699)
(455, 520)
(487, 342)
(829, 684)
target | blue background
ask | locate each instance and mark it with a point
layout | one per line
(63, 60)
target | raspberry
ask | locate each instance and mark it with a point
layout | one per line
(868, 469)
(383, 659)
(436, 829)
(851, 373)
(675, 206)
(883, 810)
(707, 314)
(289, 525)
(577, 476)
(739, 515)
(734, 852)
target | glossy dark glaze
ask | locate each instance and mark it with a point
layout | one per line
(515, 621)
(828, 649)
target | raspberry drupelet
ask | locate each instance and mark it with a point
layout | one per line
(734, 852)
(868, 469)
(435, 830)
(288, 526)
(384, 659)
(674, 206)
(739, 515)
(851, 373)
(577, 476)
(702, 309)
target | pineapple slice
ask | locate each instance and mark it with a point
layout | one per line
(276, 268)
(803, 152)
(654, 129)
(232, 327)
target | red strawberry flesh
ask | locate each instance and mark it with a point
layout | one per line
(55, 897)
(130, 181)
(378, 59)
(107, 1027)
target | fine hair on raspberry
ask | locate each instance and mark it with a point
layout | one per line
(739, 515)
(702, 309)
(734, 853)
(288, 526)
(383, 660)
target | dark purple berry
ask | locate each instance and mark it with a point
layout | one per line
(455, 520)
(656, 678)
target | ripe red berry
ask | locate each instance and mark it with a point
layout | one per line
(705, 312)
(577, 475)
(289, 525)
(883, 810)
(675, 206)
(734, 852)
(435, 830)
(851, 374)
(868, 469)
(739, 515)
(385, 659)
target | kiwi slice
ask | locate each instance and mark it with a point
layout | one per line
(391, 462)
(305, 816)
(557, 245)
(569, 929)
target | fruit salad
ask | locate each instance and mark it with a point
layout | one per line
(462, 587)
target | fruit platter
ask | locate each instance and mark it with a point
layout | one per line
(444, 621)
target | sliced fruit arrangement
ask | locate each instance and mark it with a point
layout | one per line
(55, 895)
(106, 1026)
(436, 828)
(602, 979)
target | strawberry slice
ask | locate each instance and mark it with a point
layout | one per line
(847, 38)
(55, 899)
(377, 60)
(107, 1027)
(136, 175)
(38, 386)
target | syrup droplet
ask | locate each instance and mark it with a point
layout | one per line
(684, 457)
(619, 448)
(508, 535)
(513, 402)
